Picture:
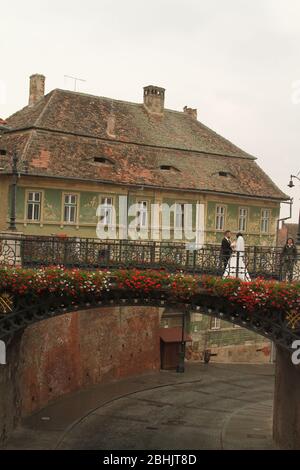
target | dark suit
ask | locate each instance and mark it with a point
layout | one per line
(289, 258)
(226, 251)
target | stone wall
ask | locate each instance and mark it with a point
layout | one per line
(66, 353)
(258, 353)
(230, 343)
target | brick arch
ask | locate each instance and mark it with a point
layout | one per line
(70, 351)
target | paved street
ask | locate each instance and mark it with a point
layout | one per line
(210, 406)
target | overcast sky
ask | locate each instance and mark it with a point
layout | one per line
(237, 61)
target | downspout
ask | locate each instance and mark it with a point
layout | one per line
(290, 202)
(127, 217)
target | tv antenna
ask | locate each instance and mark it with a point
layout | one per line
(76, 79)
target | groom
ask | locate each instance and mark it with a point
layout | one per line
(226, 249)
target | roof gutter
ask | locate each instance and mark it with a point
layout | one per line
(148, 186)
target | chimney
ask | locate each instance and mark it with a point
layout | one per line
(154, 99)
(191, 112)
(36, 88)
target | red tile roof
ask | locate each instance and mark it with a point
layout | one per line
(67, 130)
(83, 114)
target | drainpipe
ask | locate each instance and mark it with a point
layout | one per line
(290, 202)
(127, 217)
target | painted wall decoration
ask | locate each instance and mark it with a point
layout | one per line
(88, 207)
(88, 201)
(52, 205)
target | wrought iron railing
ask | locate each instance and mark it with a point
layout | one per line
(36, 251)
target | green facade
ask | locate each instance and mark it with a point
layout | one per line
(253, 234)
(51, 221)
(225, 335)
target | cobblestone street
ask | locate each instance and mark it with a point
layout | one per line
(215, 406)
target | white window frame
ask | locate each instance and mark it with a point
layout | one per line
(265, 220)
(220, 217)
(36, 204)
(181, 214)
(70, 208)
(216, 323)
(243, 219)
(107, 210)
(142, 216)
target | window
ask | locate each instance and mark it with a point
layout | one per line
(70, 208)
(2, 152)
(106, 211)
(265, 221)
(179, 216)
(103, 160)
(34, 206)
(220, 217)
(223, 174)
(243, 216)
(215, 324)
(142, 214)
(168, 168)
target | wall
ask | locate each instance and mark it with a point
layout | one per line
(230, 343)
(286, 429)
(10, 407)
(257, 353)
(4, 208)
(286, 231)
(66, 353)
(253, 235)
(88, 200)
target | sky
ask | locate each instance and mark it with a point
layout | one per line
(236, 61)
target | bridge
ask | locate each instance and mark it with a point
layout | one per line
(92, 253)
(168, 275)
(25, 300)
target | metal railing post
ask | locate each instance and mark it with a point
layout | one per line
(237, 263)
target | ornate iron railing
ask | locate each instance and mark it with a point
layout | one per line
(35, 251)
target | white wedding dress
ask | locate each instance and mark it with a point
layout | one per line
(236, 264)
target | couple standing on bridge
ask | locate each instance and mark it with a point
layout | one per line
(233, 257)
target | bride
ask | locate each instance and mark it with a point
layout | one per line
(236, 264)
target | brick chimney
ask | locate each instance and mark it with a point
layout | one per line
(36, 88)
(154, 99)
(191, 112)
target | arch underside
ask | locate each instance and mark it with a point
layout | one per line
(28, 310)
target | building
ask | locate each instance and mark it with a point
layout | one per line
(286, 231)
(79, 152)
(3, 124)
